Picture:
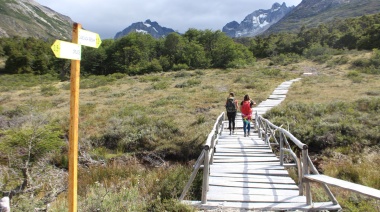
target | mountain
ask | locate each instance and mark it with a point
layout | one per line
(147, 27)
(27, 18)
(257, 22)
(311, 13)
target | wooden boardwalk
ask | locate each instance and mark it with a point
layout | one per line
(247, 175)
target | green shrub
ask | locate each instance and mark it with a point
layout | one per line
(355, 76)
(39, 140)
(161, 85)
(285, 59)
(369, 66)
(149, 78)
(178, 67)
(271, 72)
(94, 81)
(318, 53)
(49, 90)
(168, 205)
(22, 81)
(341, 60)
(183, 74)
(361, 63)
(324, 126)
(199, 72)
(103, 197)
(117, 75)
(189, 83)
(155, 66)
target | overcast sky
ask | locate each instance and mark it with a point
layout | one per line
(107, 17)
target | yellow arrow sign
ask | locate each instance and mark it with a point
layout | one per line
(66, 50)
(87, 38)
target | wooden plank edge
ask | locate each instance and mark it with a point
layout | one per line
(238, 206)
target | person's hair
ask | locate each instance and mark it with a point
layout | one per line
(232, 94)
(246, 97)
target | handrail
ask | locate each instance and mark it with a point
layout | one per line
(266, 131)
(206, 158)
(304, 164)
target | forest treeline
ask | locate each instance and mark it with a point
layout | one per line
(139, 53)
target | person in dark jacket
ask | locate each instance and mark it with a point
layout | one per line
(231, 107)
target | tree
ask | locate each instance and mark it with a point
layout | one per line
(174, 46)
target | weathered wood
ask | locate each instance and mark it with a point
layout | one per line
(252, 185)
(233, 206)
(274, 172)
(253, 151)
(193, 175)
(255, 198)
(253, 191)
(245, 155)
(365, 190)
(244, 159)
(253, 178)
(243, 167)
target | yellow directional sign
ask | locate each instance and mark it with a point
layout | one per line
(67, 50)
(87, 38)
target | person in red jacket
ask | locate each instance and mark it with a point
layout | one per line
(246, 113)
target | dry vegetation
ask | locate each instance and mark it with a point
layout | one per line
(170, 114)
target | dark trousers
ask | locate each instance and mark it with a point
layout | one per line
(231, 120)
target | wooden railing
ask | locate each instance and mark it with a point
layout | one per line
(274, 135)
(205, 159)
(270, 134)
(306, 169)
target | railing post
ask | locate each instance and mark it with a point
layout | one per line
(300, 173)
(305, 161)
(266, 134)
(206, 173)
(193, 175)
(256, 122)
(281, 149)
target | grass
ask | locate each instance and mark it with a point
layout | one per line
(170, 114)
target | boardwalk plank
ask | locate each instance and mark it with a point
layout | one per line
(254, 198)
(243, 167)
(247, 160)
(252, 185)
(253, 191)
(226, 206)
(254, 178)
(253, 171)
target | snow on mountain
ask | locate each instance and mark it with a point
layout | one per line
(257, 22)
(146, 27)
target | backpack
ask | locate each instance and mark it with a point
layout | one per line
(231, 105)
(246, 108)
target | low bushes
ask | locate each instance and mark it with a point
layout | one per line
(335, 124)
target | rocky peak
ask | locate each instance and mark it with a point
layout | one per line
(257, 22)
(146, 27)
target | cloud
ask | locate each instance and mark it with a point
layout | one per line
(109, 17)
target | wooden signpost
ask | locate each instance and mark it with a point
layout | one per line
(72, 51)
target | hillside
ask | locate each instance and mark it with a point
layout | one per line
(311, 13)
(27, 18)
